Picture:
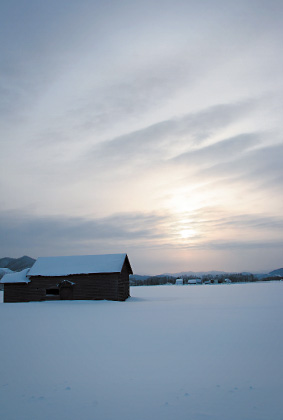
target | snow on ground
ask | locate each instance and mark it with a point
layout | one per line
(169, 352)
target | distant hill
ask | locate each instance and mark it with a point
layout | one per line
(5, 261)
(278, 272)
(17, 264)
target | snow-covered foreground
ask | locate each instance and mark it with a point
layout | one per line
(169, 352)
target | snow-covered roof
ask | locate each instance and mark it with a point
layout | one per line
(77, 264)
(5, 271)
(17, 277)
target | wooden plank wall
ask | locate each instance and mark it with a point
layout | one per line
(123, 284)
(96, 286)
(113, 286)
(21, 292)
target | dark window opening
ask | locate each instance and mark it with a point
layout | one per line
(52, 292)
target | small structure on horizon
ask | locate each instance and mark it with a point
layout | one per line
(195, 281)
(83, 277)
(179, 282)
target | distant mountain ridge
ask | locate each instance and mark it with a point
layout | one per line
(278, 272)
(17, 264)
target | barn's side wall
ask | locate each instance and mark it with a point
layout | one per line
(96, 286)
(86, 287)
(124, 283)
(20, 292)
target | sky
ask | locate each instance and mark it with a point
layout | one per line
(147, 127)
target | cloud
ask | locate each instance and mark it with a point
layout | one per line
(214, 218)
(130, 229)
(164, 139)
(138, 111)
(55, 234)
(240, 245)
(224, 150)
(261, 166)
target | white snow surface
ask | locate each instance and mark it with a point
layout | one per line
(211, 352)
(77, 264)
(16, 277)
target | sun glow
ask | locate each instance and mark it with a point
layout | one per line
(187, 233)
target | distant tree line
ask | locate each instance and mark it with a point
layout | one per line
(153, 281)
(236, 277)
(272, 278)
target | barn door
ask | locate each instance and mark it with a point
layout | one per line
(66, 291)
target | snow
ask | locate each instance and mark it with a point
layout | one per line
(5, 271)
(16, 277)
(198, 353)
(78, 264)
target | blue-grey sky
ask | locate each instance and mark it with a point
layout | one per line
(152, 128)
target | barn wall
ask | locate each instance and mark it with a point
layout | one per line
(123, 283)
(86, 287)
(21, 292)
(96, 286)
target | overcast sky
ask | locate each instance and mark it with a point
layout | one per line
(147, 127)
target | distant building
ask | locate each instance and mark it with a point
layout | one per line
(195, 281)
(85, 277)
(179, 282)
(192, 281)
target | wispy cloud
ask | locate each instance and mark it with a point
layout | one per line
(130, 230)
(225, 150)
(55, 233)
(261, 166)
(165, 139)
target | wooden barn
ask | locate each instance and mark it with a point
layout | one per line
(84, 277)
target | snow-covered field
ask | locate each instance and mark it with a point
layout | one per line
(169, 352)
